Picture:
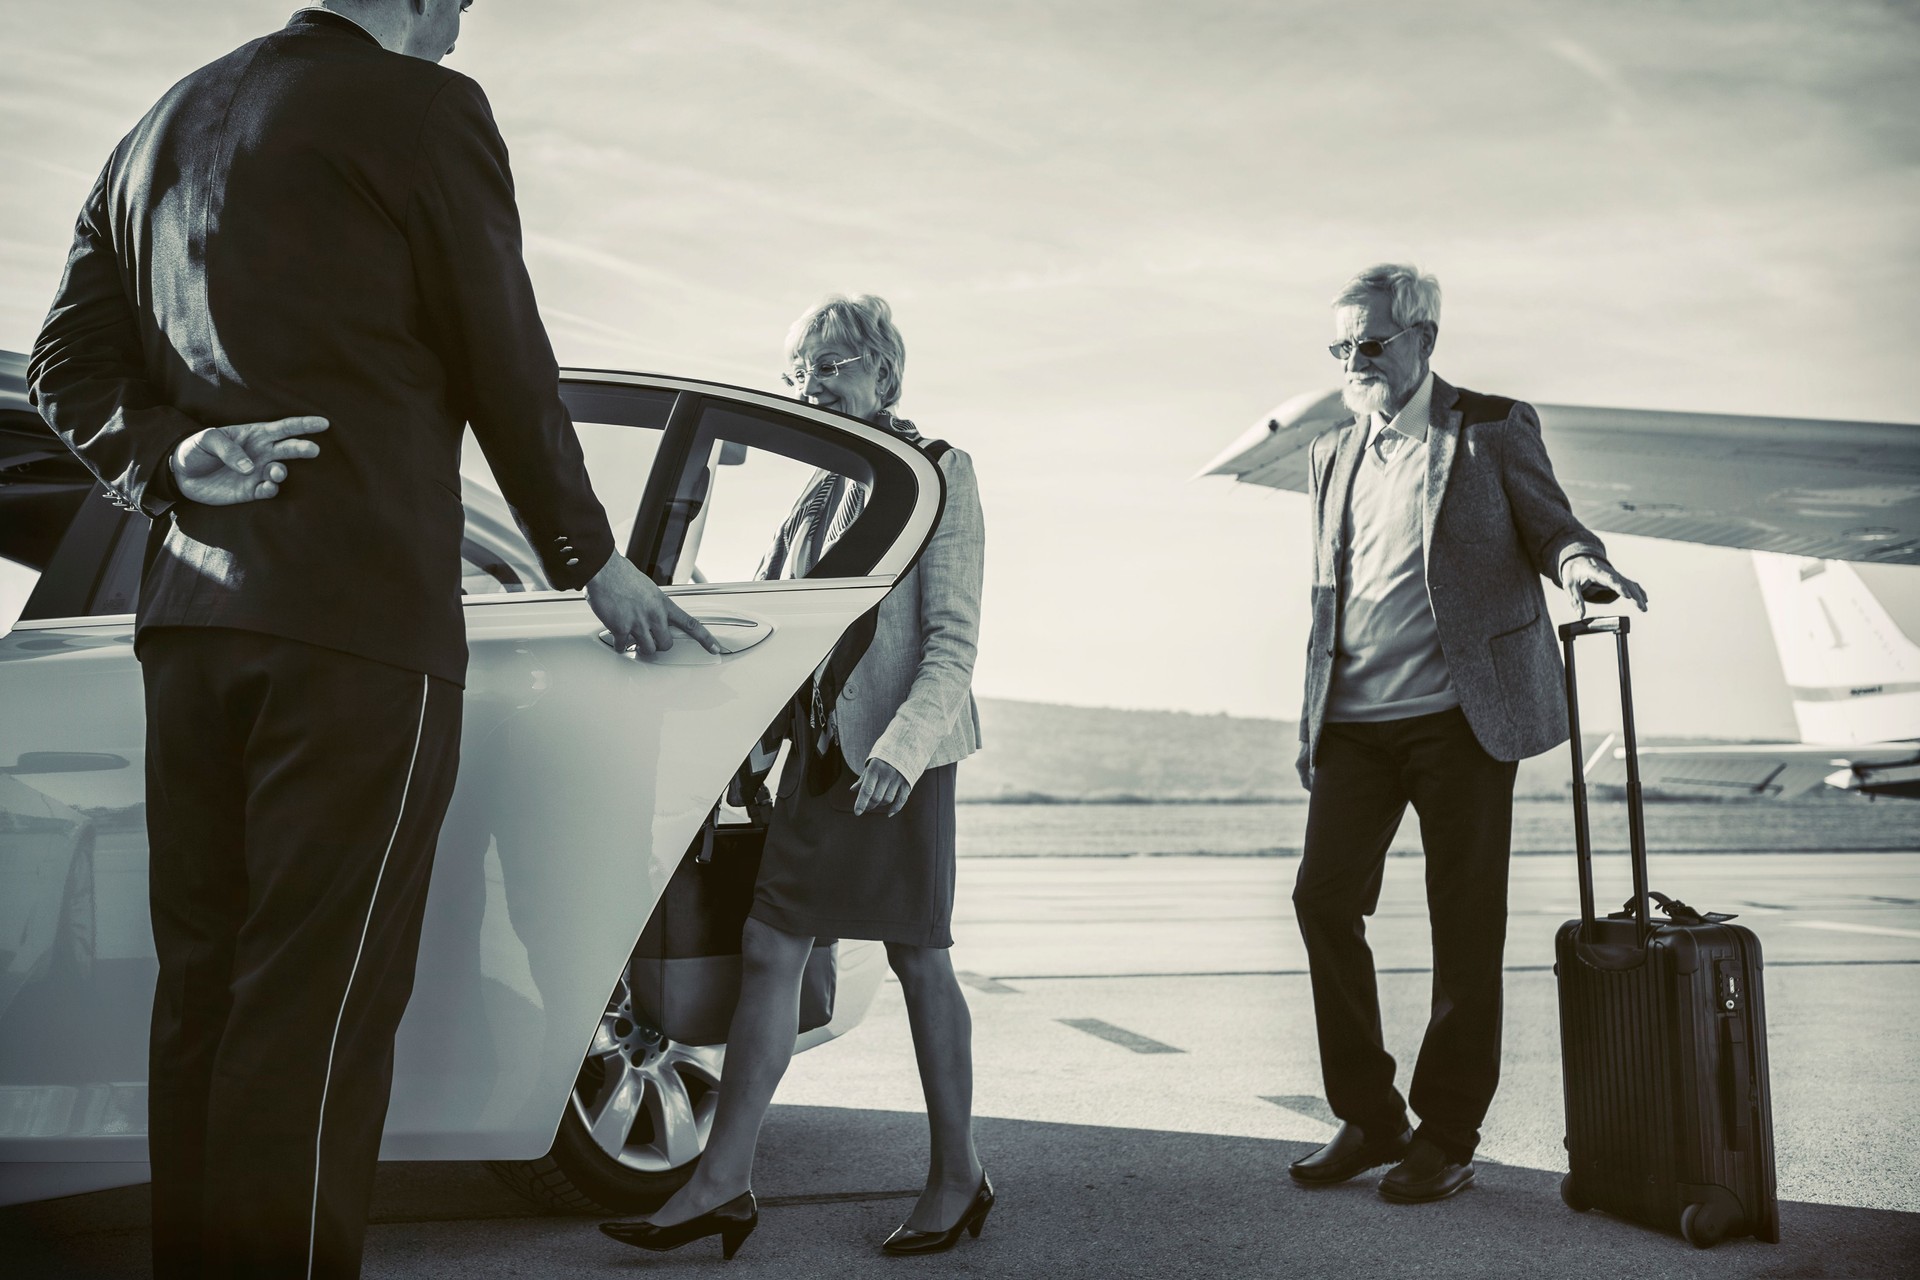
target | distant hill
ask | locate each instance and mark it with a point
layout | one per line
(1049, 752)
(1043, 751)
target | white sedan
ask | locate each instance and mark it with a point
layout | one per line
(584, 777)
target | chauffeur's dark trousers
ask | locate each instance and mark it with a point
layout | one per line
(294, 796)
(1364, 777)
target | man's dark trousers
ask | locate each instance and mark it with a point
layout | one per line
(1365, 775)
(295, 795)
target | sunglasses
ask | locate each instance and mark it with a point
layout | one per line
(1371, 348)
(824, 367)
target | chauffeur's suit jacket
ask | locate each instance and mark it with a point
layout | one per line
(315, 225)
(1496, 521)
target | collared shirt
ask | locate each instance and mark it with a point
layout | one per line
(1388, 664)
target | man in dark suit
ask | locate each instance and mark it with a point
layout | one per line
(1431, 671)
(294, 283)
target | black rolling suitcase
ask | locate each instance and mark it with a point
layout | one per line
(1663, 1047)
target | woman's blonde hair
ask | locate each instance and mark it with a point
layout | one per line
(863, 324)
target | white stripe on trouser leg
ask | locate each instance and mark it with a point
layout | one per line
(313, 1214)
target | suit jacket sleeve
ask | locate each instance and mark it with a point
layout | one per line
(480, 311)
(1549, 531)
(950, 574)
(87, 373)
(1313, 542)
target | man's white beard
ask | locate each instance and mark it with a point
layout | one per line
(1366, 398)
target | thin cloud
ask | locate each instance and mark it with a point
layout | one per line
(848, 71)
(1620, 98)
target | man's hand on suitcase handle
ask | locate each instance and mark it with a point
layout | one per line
(1590, 580)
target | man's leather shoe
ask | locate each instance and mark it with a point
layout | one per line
(1349, 1154)
(1428, 1173)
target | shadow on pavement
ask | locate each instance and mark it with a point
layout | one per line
(1075, 1201)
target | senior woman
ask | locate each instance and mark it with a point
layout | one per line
(872, 856)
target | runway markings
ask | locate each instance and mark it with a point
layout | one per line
(1880, 931)
(1303, 1104)
(981, 982)
(1119, 1035)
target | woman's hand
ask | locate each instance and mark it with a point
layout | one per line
(882, 787)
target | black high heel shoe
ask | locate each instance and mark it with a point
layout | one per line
(904, 1242)
(733, 1222)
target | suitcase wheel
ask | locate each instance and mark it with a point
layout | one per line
(1702, 1226)
(1571, 1195)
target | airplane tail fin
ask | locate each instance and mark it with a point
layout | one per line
(1854, 676)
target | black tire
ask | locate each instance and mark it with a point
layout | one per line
(1571, 1197)
(647, 1141)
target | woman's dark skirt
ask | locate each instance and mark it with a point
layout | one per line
(828, 874)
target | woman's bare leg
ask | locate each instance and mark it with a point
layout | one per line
(943, 1046)
(759, 1047)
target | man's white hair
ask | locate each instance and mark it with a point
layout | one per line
(1416, 297)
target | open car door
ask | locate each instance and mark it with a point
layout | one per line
(585, 773)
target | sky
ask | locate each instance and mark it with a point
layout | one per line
(1109, 232)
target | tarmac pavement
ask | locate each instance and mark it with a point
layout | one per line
(1145, 1069)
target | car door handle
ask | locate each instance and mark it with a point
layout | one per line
(736, 635)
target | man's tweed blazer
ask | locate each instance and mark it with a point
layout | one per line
(1496, 522)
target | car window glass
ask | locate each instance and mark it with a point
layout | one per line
(619, 430)
(735, 512)
(95, 572)
(749, 493)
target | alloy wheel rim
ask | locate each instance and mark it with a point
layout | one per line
(647, 1102)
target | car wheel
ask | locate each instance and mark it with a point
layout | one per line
(636, 1124)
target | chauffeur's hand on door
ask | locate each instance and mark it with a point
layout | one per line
(637, 612)
(225, 466)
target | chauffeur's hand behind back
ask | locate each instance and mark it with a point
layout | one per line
(224, 466)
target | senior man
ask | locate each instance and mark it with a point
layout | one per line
(1431, 671)
(294, 282)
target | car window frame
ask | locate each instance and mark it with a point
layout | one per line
(688, 445)
(87, 548)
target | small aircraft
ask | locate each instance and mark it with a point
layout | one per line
(1809, 498)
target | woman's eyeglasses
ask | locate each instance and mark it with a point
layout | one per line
(824, 367)
(1371, 348)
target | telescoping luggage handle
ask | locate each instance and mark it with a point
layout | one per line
(1636, 824)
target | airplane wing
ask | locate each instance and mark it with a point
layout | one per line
(1806, 487)
(1773, 769)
